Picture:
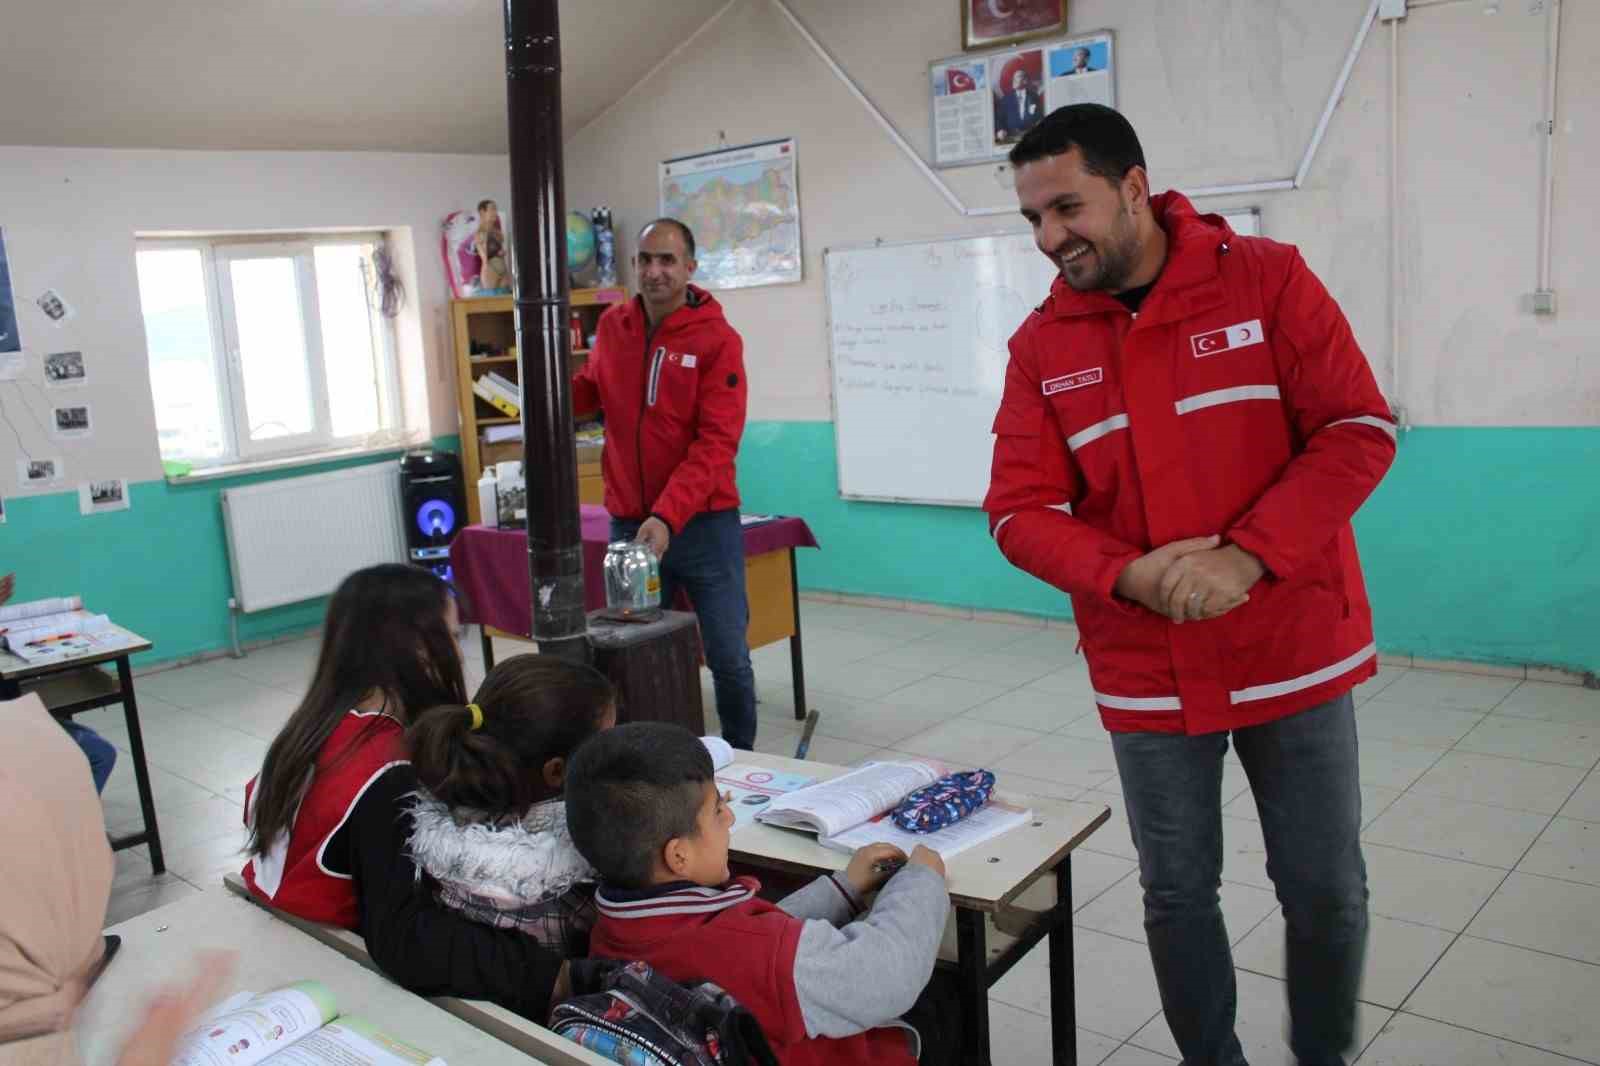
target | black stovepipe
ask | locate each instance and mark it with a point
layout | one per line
(541, 285)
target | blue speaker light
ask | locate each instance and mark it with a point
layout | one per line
(436, 518)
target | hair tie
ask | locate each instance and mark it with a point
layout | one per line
(477, 717)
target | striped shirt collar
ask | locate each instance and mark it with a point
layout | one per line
(678, 897)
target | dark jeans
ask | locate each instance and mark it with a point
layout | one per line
(97, 749)
(1303, 773)
(706, 560)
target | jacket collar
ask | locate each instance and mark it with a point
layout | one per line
(530, 861)
(676, 898)
(699, 306)
(1190, 280)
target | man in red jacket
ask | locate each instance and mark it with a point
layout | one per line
(1186, 429)
(667, 371)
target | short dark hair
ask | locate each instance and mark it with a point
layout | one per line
(683, 231)
(629, 791)
(487, 203)
(533, 708)
(1109, 145)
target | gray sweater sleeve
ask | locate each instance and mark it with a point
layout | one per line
(830, 899)
(896, 943)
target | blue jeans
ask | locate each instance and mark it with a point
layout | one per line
(1303, 773)
(706, 559)
(101, 755)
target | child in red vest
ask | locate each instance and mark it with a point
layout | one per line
(489, 826)
(826, 978)
(330, 813)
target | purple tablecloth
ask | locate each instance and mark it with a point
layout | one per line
(491, 565)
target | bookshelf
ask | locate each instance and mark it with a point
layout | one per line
(485, 341)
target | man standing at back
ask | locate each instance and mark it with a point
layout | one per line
(1187, 428)
(667, 371)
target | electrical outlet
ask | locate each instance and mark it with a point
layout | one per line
(1388, 10)
(1540, 302)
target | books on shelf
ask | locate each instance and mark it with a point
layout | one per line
(501, 434)
(482, 388)
(852, 810)
(298, 1025)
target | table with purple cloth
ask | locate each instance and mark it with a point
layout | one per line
(491, 572)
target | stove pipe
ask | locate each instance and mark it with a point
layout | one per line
(539, 272)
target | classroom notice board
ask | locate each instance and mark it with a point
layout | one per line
(917, 334)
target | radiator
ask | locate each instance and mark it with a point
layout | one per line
(296, 539)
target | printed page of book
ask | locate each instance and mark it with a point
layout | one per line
(37, 608)
(846, 801)
(985, 823)
(351, 1042)
(267, 1024)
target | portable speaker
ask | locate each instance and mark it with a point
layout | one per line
(433, 505)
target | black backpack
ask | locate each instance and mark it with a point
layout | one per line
(630, 1014)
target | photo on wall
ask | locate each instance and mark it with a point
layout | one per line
(55, 307)
(69, 422)
(98, 497)
(40, 471)
(10, 339)
(986, 23)
(64, 370)
(1017, 82)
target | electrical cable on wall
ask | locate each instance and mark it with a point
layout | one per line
(392, 290)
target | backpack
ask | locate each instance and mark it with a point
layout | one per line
(630, 1014)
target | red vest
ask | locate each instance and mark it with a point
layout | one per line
(308, 872)
(746, 946)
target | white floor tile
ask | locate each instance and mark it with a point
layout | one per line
(1028, 708)
(998, 669)
(1244, 853)
(1115, 984)
(962, 740)
(1053, 646)
(1037, 786)
(1522, 738)
(1017, 1035)
(966, 639)
(1093, 873)
(1388, 764)
(202, 685)
(129, 904)
(1412, 1041)
(921, 658)
(863, 681)
(287, 666)
(1386, 676)
(205, 863)
(1069, 760)
(1456, 829)
(1399, 955)
(838, 752)
(776, 740)
(1128, 1055)
(1120, 910)
(1559, 917)
(1553, 703)
(944, 694)
(1466, 692)
(1568, 849)
(1517, 994)
(208, 819)
(878, 724)
(1426, 889)
(1420, 725)
(1262, 1023)
(1500, 782)
(121, 797)
(1585, 802)
(1072, 681)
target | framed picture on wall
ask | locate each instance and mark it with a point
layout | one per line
(986, 23)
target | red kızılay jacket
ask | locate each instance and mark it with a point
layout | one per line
(1235, 403)
(674, 405)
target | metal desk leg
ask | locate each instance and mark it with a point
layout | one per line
(141, 772)
(797, 660)
(972, 971)
(488, 646)
(1063, 990)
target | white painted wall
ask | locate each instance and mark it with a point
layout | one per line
(1222, 91)
(70, 216)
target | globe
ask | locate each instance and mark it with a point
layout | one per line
(580, 242)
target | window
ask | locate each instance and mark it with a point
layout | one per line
(264, 348)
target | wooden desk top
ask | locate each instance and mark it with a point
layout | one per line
(157, 947)
(16, 668)
(985, 878)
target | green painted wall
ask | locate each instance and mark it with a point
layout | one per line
(1481, 544)
(160, 568)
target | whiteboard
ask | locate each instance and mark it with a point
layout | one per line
(917, 335)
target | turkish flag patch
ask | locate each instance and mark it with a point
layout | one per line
(1241, 335)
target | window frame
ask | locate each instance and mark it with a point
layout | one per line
(217, 253)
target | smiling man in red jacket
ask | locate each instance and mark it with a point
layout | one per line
(1186, 430)
(668, 372)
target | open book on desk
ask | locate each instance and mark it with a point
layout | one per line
(852, 810)
(298, 1025)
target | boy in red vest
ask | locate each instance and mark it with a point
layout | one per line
(827, 979)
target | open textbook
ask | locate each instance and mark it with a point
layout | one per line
(44, 631)
(294, 1026)
(852, 810)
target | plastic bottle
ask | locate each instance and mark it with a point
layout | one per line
(605, 244)
(488, 500)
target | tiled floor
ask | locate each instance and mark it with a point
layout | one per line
(1482, 809)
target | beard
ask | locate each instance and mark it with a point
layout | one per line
(1110, 262)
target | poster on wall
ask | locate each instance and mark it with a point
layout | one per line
(65, 370)
(984, 104)
(10, 340)
(97, 497)
(986, 23)
(743, 206)
(40, 472)
(477, 259)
